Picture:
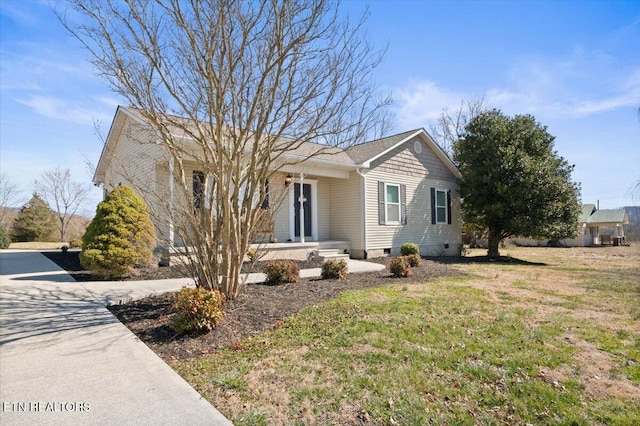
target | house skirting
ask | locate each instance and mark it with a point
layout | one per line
(271, 251)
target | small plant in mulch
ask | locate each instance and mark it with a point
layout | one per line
(414, 260)
(334, 269)
(399, 267)
(409, 248)
(281, 272)
(253, 255)
(197, 309)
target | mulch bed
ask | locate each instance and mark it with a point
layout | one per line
(258, 308)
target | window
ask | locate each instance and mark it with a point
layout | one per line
(440, 206)
(392, 209)
(392, 203)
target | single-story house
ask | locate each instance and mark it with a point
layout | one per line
(595, 227)
(599, 227)
(366, 200)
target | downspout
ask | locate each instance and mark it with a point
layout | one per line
(364, 211)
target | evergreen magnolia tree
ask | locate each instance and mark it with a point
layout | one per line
(513, 182)
(34, 222)
(120, 236)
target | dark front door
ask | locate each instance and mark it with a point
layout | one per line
(306, 191)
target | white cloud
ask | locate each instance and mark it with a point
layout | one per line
(579, 85)
(68, 110)
(419, 102)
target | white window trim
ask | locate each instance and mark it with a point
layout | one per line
(387, 204)
(446, 213)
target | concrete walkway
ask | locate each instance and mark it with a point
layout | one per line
(66, 360)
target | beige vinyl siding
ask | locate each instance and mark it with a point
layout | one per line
(324, 209)
(403, 160)
(135, 164)
(279, 201)
(419, 173)
(346, 210)
(132, 162)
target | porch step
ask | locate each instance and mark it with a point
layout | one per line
(331, 254)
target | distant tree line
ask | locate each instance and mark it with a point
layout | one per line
(36, 220)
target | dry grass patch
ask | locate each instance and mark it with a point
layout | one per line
(554, 340)
(37, 245)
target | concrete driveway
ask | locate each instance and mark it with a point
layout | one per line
(66, 360)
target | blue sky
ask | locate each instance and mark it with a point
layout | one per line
(574, 65)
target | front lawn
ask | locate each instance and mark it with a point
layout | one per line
(551, 340)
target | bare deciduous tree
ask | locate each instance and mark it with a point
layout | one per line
(234, 87)
(8, 196)
(450, 125)
(65, 196)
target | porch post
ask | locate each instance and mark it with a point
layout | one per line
(301, 200)
(171, 189)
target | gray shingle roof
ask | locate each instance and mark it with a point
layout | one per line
(365, 151)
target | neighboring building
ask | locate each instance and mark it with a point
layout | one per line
(366, 200)
(601, 226)
(595, 227)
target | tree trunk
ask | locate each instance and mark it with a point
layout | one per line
(494, 243)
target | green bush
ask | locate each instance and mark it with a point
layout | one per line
(281, 271)
(414, 259)
(75, 243)
(399, 267)
(334, 269)
(35, 221)
(409, 248)
(120, 236)
(5, 241)
(197, 309)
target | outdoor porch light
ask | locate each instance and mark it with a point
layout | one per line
(287, 180)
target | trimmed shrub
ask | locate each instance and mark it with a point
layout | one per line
(334, 269)
(409, 248)
(281, 271)
(75, 243)
(414, 260)
(120, 236)
(197, 309)
(64, 249)
(399, 267)
(5, 241)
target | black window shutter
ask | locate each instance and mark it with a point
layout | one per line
(381, 212)
(403, 204)
(433, 206)
(265, 189)
(449, 207)
(198, 189)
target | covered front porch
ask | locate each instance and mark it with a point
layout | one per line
(303, 250)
